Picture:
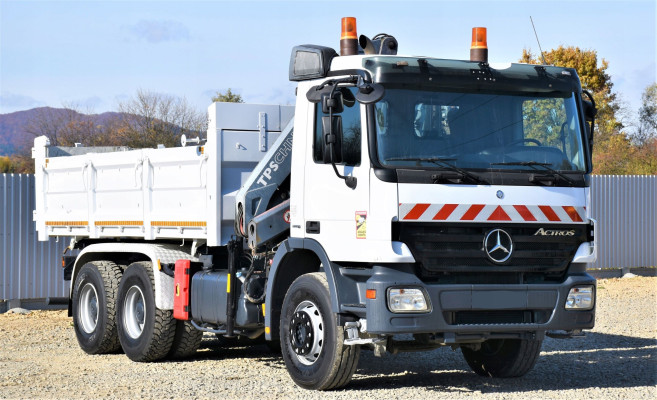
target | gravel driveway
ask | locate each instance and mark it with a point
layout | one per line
(40, 358)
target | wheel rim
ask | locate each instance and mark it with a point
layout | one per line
(134, 312)
(88, 306)
(307, 332)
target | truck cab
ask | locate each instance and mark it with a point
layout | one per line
(444, 198)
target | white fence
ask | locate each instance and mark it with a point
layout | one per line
(29, 269)
(624, 206)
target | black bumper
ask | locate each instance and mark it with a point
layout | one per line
(476, 309)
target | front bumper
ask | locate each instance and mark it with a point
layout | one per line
(477, 309)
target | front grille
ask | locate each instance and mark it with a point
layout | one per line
(496, 317)
(442, 249)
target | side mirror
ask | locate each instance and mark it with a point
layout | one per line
(590, 111)
(369, 93)
(333, 103)
(332, 133)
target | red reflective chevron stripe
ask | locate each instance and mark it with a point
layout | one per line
(445, 212)
(499, 215)
(549, 213)
(472, 212)
(525, 213)
(491, 212)
(572, 213)
(417, 211)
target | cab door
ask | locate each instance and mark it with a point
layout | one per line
(335, 214)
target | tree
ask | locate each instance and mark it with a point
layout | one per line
(228, 97)
(6, 165)
(151, 118)
(647, 129)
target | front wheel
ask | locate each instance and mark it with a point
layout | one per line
(146, 333)
(503, 358)
(312, 343)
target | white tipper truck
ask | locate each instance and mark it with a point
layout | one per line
(403, 204)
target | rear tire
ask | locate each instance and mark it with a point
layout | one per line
(503, 358)
(186, 341)
(146, 333)
(312, 343)
(94, 307)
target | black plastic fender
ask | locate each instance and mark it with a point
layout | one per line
(288, 246)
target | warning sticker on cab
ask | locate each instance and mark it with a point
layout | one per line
(361, 224)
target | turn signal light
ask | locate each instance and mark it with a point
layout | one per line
(370, 294)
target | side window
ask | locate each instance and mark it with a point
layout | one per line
(351, 135)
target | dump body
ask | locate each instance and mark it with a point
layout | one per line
(181, 192)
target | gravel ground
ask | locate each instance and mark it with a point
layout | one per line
(40, 358)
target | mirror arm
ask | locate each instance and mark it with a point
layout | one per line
(350, 181)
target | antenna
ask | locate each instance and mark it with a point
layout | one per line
(539, 43)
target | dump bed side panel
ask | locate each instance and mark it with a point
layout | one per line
(182, 192)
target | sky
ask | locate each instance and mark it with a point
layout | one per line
(96, 54)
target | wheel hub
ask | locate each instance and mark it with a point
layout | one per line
(307, 332)
(88, 308)
(301, 332)
(134, 315)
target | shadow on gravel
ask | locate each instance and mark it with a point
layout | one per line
(597, 361)
(214, 349)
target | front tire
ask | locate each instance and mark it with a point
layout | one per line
(94, 307)
(503, 358)
(146, 333)
(312, 343)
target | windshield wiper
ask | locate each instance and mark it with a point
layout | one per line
(533, 164)
(442, 162)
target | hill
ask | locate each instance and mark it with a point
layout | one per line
(17, 128)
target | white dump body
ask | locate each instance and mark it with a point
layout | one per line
(181, 192)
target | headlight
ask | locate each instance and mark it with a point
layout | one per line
(402, 300)
(580, 298)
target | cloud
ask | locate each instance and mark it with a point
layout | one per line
(159, 31)
(10, 102)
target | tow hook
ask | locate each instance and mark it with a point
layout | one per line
(352, 337)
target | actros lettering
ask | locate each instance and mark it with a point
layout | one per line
(554, 232)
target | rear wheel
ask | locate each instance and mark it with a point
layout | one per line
(503, 358)
(186, 341)
(94, 307)
(312, 343)
(146, 333)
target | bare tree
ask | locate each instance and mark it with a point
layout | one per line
(151, 118)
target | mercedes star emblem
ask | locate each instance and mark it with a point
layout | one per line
(500, 194)
(498, 245)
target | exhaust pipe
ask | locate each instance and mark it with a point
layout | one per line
(366, 44)
(381, 44)
(479, 47)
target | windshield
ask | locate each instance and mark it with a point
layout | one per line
(415, 128)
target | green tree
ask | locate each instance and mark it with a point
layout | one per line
(647, 129)
(228, 97)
